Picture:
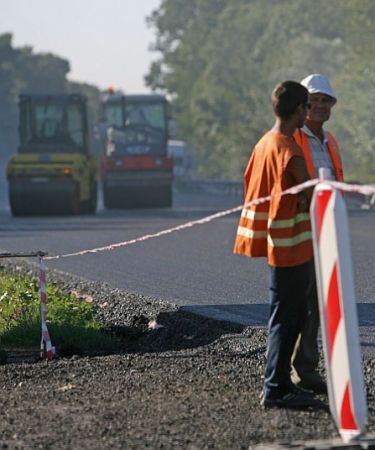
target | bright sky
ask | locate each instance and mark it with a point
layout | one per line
(106, 41)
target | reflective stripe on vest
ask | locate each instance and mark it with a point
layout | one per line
(251, 234)
(300, 222)
(254, 215)
(269, 229)
(333, 149)
(287, 223)
(289, 242)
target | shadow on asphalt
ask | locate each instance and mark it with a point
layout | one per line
(198, 325)
(176, 330)
(256, 315)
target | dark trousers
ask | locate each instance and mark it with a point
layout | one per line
(306, 353)
(288, 311)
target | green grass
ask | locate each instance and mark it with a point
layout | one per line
(71, 322)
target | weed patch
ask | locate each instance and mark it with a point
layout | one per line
(71, 320)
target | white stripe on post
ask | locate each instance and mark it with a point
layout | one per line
(338, 312)
(46, 348)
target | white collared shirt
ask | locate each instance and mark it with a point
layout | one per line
(319, 152)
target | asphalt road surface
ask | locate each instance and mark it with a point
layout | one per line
(194, 268)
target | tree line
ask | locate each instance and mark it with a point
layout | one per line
(219, 61)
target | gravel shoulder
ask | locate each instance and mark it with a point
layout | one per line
(193, 383)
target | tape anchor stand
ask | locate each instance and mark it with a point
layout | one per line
(47, 350)
(337, 303)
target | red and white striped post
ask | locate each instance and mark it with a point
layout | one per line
(338, 313)
(47, 351)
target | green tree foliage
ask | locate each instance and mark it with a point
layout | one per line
(23, 71)
(220, 60)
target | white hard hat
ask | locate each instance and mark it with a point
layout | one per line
(318, 84)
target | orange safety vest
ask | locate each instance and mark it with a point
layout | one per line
(275, 228)
(303, 141)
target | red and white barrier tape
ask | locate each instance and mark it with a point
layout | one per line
(361, 189)
(258, 201)
(46, 348)
(364, 189)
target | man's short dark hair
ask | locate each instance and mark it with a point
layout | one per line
(287, 96)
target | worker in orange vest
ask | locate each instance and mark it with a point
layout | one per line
(320, 149)
(279, 229)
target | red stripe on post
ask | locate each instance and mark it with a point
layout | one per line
(348, 421)
(321, 207)
(333, 310)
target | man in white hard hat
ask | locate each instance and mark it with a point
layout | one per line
(320, 149)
